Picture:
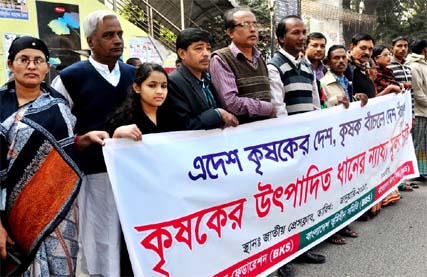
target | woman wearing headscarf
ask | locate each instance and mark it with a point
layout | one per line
(38, 177)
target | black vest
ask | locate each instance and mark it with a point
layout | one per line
(94, 99)
(298, 83)
(251, 82)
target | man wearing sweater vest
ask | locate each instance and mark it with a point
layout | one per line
(293, 84)
(95, 88)
(238, 71)
(293, 90)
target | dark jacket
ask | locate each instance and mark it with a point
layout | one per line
(186, 104)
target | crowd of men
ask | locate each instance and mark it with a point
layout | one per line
(215, 89)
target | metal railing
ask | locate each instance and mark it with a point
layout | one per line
(146, 22)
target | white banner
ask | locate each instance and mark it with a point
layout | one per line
(244, 201)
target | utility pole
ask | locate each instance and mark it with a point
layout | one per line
(182, 16)
(271, 6)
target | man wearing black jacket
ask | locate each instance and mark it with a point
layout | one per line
(192, 101)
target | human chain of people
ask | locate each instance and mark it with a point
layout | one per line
(110, 167)
(335, 191)
(214, 166)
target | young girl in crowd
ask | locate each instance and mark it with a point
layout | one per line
(139, 114)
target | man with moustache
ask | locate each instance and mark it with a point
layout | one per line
(95, 88)
(238, 71)
(294, 90)
(361, 75)
(334, 83)
(359, 65)
(192, 102)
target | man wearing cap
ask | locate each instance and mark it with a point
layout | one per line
(95, 88)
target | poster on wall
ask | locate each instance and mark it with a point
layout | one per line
(16, 9)
(7, 41)
(144, 49)
(59, 28)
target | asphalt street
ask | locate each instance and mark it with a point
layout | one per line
(394, 243)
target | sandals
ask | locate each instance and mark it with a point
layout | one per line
(363, 217)
(414, 185)
(336, 239)
(347, 232)
(405, 187)
(421, 178)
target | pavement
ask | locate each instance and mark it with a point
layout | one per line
(394, 243)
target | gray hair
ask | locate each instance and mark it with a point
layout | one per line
(91, 21)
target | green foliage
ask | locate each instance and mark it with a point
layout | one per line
(401, 17)
(417, 22)
(215, 27)
(167, 34)
(136, 15)
(133, 13)
(260, 8)
(389, 23)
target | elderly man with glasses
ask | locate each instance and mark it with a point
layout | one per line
(238, 71)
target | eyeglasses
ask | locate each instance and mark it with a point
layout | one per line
(385, 55)
(26, 62)
(247, 25)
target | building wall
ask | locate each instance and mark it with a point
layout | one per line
(30, 27)
(332, 29)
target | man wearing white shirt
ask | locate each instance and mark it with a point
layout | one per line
(293, 90)
(293, 84)
(95, 88)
